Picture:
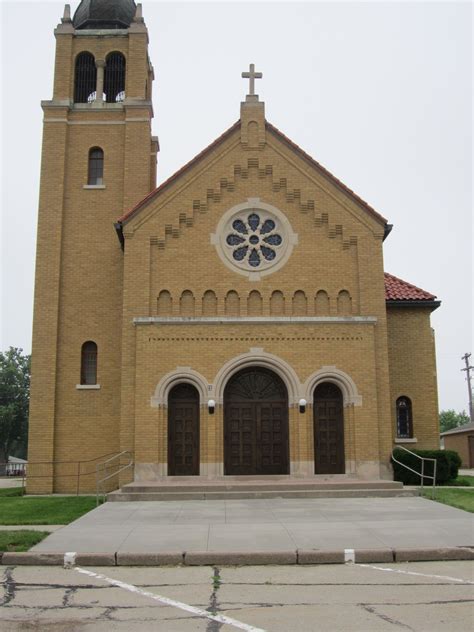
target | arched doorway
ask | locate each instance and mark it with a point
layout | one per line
(328, 429)
(183, 431)
(255, 423)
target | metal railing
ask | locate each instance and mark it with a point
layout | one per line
(104, 469)
(78, 471)
(421, 474)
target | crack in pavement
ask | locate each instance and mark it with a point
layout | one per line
(68, 594)
(242, 605)
(213, 608)
(10, 587)
(386, 618)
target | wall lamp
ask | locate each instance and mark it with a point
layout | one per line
(211, 405)
(302, 405)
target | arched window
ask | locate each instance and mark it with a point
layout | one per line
(114, 78)
(85, 78)
(96, 166)
(89, 363)
(404, 418)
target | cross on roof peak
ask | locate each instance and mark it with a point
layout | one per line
(251, 75)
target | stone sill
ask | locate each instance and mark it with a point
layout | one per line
(93, 186)
(88, 387)
(281, 320)
(413, 440)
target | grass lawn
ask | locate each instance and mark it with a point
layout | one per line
(20, 540)
(460, 498)
(41, 510)
(462, 481)
(10, 491)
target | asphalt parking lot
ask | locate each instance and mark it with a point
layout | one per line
(374, 597)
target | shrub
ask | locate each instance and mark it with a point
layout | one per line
(447, 465)
(455, 463)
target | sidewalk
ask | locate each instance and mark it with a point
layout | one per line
(264, 525)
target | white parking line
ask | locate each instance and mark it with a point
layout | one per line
(220, 618)
(397, 570)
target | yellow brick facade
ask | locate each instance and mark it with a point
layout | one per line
(167, 308)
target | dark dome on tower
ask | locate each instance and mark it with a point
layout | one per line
(104, 14)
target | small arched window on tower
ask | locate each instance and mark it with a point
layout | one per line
(89, 363)
(404, 418)
(85, 78)
(114, 78)
(96, 166)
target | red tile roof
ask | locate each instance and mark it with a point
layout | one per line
(126, 216)
(276, 132)
(398, 290)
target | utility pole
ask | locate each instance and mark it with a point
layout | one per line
(468, 370)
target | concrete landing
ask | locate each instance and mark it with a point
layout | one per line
(259, 526)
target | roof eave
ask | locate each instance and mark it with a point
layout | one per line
(335, 181)
(407, 302)
(189, 165)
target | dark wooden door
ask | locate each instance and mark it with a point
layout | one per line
(183, 431)
(328, 430)
(255, 424)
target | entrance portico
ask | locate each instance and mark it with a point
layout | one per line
(257, 424)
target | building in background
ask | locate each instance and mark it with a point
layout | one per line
(461, 440)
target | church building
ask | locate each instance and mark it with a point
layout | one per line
(235, 321)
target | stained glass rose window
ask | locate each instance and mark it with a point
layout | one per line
(254, 239)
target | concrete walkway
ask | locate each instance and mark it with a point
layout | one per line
(264, 525)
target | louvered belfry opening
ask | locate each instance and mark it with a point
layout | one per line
(114, 78)
(85, 78)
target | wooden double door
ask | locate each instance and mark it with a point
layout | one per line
(328, 429)
(256, 424)
(183, 431)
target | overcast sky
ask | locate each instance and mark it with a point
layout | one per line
(379, 93)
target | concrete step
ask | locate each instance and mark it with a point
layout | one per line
(257, 486)
(121, 496)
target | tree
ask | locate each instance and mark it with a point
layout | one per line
(14, 402)
(449, 419)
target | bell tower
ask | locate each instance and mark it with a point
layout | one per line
(98, 160)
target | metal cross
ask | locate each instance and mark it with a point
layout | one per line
(252, 75)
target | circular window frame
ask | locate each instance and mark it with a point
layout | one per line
(283, 227)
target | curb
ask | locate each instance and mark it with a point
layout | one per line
(238, 558)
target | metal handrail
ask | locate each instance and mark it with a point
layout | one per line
(77, 474)
(100, 490)
(422, 473)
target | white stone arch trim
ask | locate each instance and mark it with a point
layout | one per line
(341, 379)
(179, 375)
(256, 356)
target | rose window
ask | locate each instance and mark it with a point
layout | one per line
(254, 239)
